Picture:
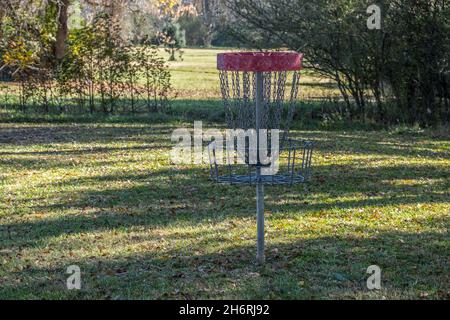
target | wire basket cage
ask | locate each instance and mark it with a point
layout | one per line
(259, 92)
(279, 90)
(294, 165)
(260, 100)
(238, 90)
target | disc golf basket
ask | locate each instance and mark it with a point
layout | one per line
(259, 91)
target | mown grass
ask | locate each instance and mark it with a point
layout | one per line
(103, 195)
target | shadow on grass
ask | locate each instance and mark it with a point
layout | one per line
(312, 113)
(322, 267)
(80, 133)
(188, 197)
(159, 135)
(210, 110)
(318, 268)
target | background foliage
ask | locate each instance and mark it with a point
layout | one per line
(62, 52)
(398, 74)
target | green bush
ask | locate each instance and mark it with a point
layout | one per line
(99, 73)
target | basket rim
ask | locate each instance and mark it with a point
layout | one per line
(259, 61)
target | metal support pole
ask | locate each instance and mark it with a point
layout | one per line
(260, 218)
(259, 186)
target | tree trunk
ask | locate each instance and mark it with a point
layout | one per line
(2, 15)
(62, 32)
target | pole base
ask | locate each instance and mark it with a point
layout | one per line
(260, 259)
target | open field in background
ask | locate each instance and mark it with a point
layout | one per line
(196, 93)
(196, 96)
(102, 194)
(196, 77)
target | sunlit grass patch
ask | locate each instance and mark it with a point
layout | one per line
(107, 198)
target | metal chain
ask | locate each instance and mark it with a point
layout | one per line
(248, 101)
(278, 104)
(267, 84)
(292, 105)
(224, 87)
(239, 100)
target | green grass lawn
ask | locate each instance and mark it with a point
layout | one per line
(104, 196)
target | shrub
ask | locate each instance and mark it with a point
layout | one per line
(99, 73)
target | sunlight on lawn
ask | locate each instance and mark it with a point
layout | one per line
(105, 197)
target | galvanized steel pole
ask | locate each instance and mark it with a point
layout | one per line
(259, 185)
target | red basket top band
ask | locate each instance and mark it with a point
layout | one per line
(259, 61)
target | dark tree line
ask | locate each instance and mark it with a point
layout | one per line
(399, 73)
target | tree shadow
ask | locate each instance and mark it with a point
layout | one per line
(81, 133)
(187, 196)
(321, 267)
(377, 143)
(318, 268)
